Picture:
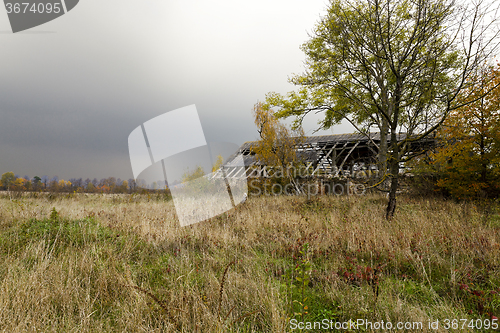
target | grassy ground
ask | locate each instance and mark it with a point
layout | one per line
(90, 263)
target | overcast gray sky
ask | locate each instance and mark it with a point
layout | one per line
(73, 89)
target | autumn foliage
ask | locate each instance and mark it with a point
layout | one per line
(468, 161)
(277, 145)
(13, 183)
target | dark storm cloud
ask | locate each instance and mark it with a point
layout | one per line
(69, 99)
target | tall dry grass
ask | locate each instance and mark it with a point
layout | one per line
(122, 263)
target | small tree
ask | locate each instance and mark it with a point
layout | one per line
(468, 163)
(195, 180)
(90, 188)
(37, 181)
(63, 185)
(123, 188)
(218, 163)
(132, 185)
(277, 146)
(192, 175)
(8, 179)
(18, 185)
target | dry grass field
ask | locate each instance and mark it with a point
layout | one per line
(122, 263)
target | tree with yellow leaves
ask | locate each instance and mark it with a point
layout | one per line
(19, 185)
(7, 180)
(218, 163)
(277, 144)
(469, 160)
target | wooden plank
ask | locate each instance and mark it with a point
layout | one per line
(324, 157)
(348, 154)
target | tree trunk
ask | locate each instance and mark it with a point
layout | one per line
(382, 153)
(394, 175)
(391, 205)
(484, 165)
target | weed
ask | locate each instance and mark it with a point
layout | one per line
(296, 282)
(221, 289)
(162, 304)
(357, 275)
(54, 215)
(303, 271)
(223, 324)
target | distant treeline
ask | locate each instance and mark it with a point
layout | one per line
(13, 182)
